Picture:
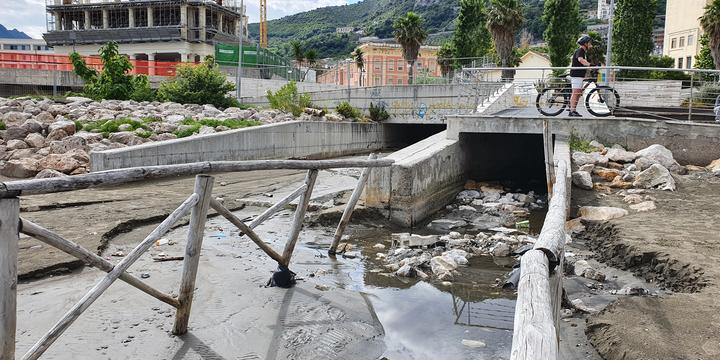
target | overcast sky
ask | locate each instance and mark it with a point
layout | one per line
(29, 15)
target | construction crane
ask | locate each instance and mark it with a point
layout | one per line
(263, 24)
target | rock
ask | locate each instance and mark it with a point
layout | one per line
(455, 235)
(618, 183)
(580, 267)
(79, 155)
(32, 126)
(714, 166)
(500, 249)
(379, 246)
(174, 119)
(621, 156)
(467, 208)
(89, 137)
(633, 199)
(446, 225)
(443, 267)
(162, 128)
(581, 158)
(644, 206)
(15, 133)
(606, 174)
(57, 134)
(582, 179)
(63, 163)
(21, 168)
(587, 167)
(594, 274)
(597, 145)
(163, 137)
(22, 154)
(457, 255)
(65, 125)
(77, 100)
(473, 343)
(49, 173)
(67, 144)
(44, 117)
(125, 127)
(126, 138)
(414, 240)
(601, 213)
(574, 226)
(406, 271)
(35, 140)
(468, 196)
(16, 145)
(629, 177)
(658, 154)
(656, 176)
(334, 118)
(57, 109)
(205, 130)
(15, 117)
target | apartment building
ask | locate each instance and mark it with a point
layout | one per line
(683, 31)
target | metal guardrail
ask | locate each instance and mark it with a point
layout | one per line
(197, 205)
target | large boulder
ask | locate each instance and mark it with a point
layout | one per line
(581, 158)
(49, 173)
(237, 113)
(656, 176)
(658, 154)
(174, 119)
(15, 117)
(443, 267)
(582, 179)
(20, 168)
(63, 163)
(32, 126)
(601, 213)
(89, 137)
(714, 166)
(57, 109)
(57, 134)
(35, 140)
(606, 174)
(620, 155)
(163, 137)
(126, 138)
(67, 144)
(16, 145)
(15, 133)
(65, 125)
(45, 117)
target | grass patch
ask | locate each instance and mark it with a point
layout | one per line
(348, 111)
(107, 127)
(195, 125)
(579, 144)
(2, 125)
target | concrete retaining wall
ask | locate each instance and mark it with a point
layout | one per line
(691, 143)
(425, 178)
(277, 141)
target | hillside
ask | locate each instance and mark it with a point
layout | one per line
(5, 33)
(316, 28)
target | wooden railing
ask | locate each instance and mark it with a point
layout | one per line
(537, 312)
(197, 205)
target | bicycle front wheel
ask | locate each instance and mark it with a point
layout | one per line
(551, 102)
(602, 101)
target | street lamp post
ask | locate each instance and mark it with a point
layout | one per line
(240, 50)
(608, 55)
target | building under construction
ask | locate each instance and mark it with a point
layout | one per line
(153, 30)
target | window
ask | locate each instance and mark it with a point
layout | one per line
(680, 63)
(400, 65)
(391, 65)
(691, 39)
(688, 62)
(682, 41)
(673, 43)
(376, 80)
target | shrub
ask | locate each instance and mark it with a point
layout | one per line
(348, 111)
(107, 127)
(287, 99)
(2, 125)
(198, 84)
(113, 82)
(708, 94)
(378, 113)
(580, 144)
(195, 125)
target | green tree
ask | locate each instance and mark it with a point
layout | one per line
(311, 59)
(710, 22)
(446, 58)
(562, 28)
(297, 52)
(504, 20)
(471, 38)
(596, 55)
(632, 34)
(113, 82)
(410, 34)
(198, 84)
(704, 59)
(359, 57)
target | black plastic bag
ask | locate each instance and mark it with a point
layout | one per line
(283, 278)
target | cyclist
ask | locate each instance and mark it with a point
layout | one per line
(577, 76)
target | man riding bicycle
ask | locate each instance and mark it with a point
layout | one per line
(577, 76)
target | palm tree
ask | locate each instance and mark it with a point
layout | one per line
(410, 34)
(311, 58)
(504, 18)
(297, 52)
(446, 58)
(710, 22)
(359, 57)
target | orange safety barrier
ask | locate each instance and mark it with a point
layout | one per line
(14, 60)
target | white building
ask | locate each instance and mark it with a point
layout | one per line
(36, 46)
(603, 9)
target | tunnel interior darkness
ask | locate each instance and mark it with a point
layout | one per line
(516, 161)
(398, 136)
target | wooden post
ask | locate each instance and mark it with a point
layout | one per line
(57, 241)
(299, 216)
(549, 163)
(203, 188)
(9, 217)
(51, 336)
(347, 214)
(275, 208)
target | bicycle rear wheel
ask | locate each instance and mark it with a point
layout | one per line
(551, 102)
(602, 101)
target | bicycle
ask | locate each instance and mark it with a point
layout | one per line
(551, 101)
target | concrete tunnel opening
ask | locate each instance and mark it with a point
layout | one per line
(398, 136)
(516, 161)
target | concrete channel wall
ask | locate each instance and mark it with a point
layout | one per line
(426, 177)
(691, 143)
(277, 141)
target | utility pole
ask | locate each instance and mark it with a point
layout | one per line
(240, 50)
(608, 55)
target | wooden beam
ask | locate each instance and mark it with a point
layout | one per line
(552, 236)
(9, 216)
(203, 188)
(277, 207)
(350, 208)
(51, 336)
(534, 335)
(57, 241)
(245, 229)
(548, 155)
(299, 216)
(122, 176)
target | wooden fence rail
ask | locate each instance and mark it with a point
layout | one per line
(197, 205)
(537, 312)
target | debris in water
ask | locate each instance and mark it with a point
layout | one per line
(144, 275)
(473, 343)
